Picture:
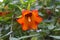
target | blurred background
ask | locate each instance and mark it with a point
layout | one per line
(49, 29)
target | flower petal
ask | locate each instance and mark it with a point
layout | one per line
(24, 12)
(24, 27)
(20, 20)
(38, 19)
(23, 22)
(35, 12)
(34, 26)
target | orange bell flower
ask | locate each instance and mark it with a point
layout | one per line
(29, 19)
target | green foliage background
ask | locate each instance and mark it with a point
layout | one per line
(48, 29)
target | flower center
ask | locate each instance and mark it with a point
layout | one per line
(28, 17)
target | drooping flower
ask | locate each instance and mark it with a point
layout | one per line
(4, 13)
(29, 19)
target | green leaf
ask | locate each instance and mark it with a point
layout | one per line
(12, 38)
(51, 26)
(19, 7)
(1, 39)
(34, 38)
(32, 1)
(1, 18)
(57, 29)
(6, 19)
(22, 1)
(56, 37)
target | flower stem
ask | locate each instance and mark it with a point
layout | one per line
(28, 7)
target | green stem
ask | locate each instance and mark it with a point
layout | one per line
(19, 7)
(28, 7)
